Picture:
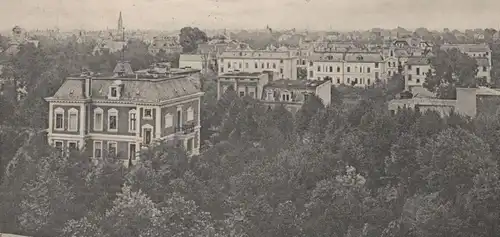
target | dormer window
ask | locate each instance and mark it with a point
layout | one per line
(114, 92)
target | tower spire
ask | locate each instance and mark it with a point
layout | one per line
(120, 22)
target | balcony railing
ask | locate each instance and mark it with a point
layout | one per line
(185, 129)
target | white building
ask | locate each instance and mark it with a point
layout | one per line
(351, 68)
(415, 71)
(480, 52)
(195, 61)
(284, 63)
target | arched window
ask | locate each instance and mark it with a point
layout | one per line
(331, 69)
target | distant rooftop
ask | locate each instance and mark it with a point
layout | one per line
(242, 74)
(295, 84)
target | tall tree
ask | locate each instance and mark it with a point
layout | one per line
(190, 37)
(451, 69)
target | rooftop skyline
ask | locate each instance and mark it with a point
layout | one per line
(235, 14)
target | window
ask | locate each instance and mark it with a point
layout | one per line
(190, 114)
(113, 92)
(132, 150)
(310, 64)
(409, 77)
(281, 70)
(348, 69)
(338, 69)
(376, 65)
(256, 65)
(360, 69)
(331, 69)
(242, 93)
(418, 80)
(418, 70)
(338, 80)
(72, 146)
(239, 65)
(262, 65)
(281, 61)
(368, 70)
(112, 149)
(59, 119)
(319, 68)
(169, 120)
(311, 73)
(484, 69)
(221, 69)
(246, 65)
(189, 146)
(348, 80)
(132, 125)
(409, 67)
(98, 119)
(252, 94)
(73, 120)
(228, 65)
(267, 64)
(274, 65)
(112, 120)
(179, 118)
(368, 81)
(148, 113)
(147, 135)
(59, 145)
(97, 149)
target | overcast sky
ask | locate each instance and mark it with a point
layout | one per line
(233, 14)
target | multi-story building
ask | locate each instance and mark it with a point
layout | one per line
(293, 94)
(415, 71)
(120, 114)
(351, 68)
(244, 83)
(262, 86)
(284, 63)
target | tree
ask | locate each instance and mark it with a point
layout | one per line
(451, 69)
(450, 161)
(301, 73)
(311, 106)
(190, 38)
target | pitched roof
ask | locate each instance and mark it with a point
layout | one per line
(363, 57)
(418, 61)
(467, 47)
(134, 90)
(294, 84)
(191, 57)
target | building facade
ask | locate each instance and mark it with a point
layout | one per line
(267, 88)
(480, 52)
(117, 116)
(350, 68)
(415, 71)
(283, 63)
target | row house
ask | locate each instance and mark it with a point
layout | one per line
(118, 115)
(283, 63)
(357, 69)
(262, 86)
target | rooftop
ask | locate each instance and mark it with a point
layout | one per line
(418, 61)
(257, 54)
(242, 74)
(467, 47)
(295, 84)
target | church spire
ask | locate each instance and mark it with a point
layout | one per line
(120, 22)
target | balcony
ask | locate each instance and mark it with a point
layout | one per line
(185, 129)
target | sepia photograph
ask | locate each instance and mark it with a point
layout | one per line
(263, 118)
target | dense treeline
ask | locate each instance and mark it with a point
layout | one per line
(334, 171)
(348, 169)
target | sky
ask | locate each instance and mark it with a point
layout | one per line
(250, 14)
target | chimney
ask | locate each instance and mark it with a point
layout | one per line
(466, 101)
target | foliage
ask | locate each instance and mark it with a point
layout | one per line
(451, 69)
(190, 37)
(347, 169)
